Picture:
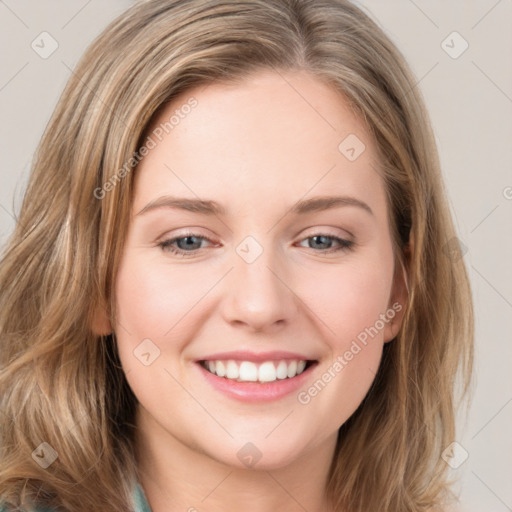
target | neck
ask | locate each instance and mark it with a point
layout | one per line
(179, 477)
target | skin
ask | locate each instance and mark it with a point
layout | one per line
(257, 148)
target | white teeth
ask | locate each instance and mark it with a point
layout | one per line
(292, 369)
(282, 370)
(247, 371)
(220, 369)
(267, 372)
(232, 371)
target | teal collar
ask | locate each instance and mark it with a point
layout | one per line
(141, 502)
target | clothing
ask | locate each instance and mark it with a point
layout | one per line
(141, 503)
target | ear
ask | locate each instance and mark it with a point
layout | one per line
(101, 322)
(399, 297)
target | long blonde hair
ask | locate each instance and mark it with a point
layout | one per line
(63, 385)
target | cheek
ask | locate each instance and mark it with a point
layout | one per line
(349, 300)
(350, 305)
(153, 303)
(158, 313)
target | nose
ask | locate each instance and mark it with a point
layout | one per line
(258, 296)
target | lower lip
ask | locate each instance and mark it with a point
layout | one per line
(254, 391)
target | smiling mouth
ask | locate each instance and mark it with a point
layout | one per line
(248, 371)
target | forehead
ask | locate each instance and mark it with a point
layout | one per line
(272, 137)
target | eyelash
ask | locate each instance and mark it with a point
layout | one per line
(165, 245)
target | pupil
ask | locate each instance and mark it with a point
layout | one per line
(189, 241)
(319, 237)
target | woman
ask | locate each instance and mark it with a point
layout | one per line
(255, 370)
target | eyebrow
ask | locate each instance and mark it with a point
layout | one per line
(208, 207)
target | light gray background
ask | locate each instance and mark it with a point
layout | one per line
(470, 103)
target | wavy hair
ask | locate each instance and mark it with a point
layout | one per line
(63, 384)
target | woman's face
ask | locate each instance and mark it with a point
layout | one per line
(270, 196)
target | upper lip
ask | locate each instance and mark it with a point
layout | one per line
(245, 355)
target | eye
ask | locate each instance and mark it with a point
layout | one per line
(190, 243)
(187, 245)
(324, 239)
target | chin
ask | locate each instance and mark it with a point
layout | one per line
(259, 455)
